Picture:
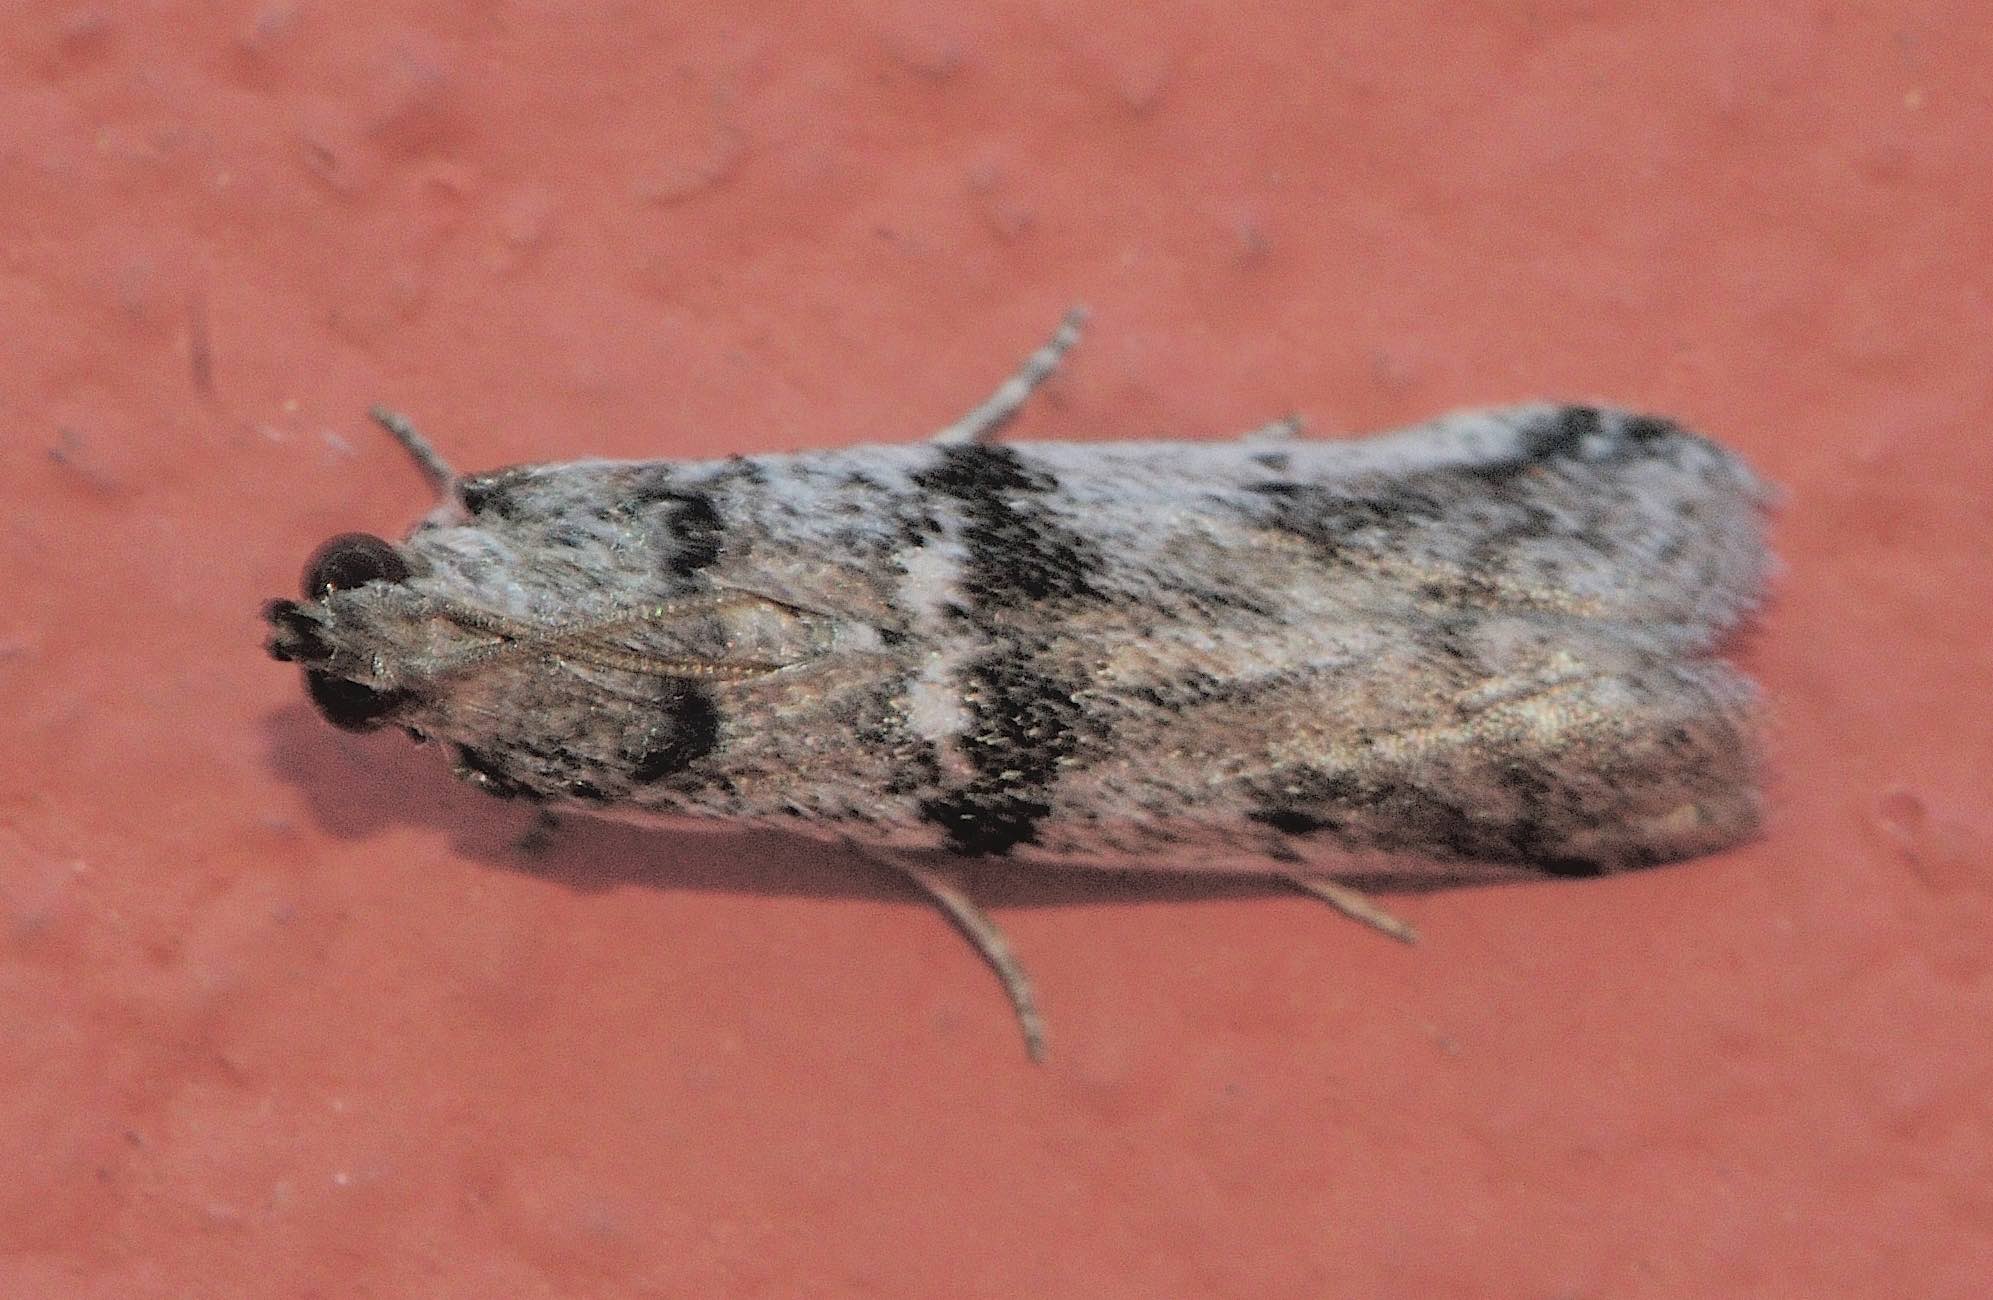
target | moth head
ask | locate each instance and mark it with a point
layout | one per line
(307, 632)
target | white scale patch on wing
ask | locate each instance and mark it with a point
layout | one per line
(935, 708)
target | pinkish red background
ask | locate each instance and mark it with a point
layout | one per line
(286, 1012)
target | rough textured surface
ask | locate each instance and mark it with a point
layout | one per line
(289, 1013)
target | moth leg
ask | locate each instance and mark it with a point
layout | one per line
(945, 887)
(420, 449)
(1286, 429)
(986, 421)
(1354, 905)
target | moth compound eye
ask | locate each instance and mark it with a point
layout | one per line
(352, 560)
(348, 704)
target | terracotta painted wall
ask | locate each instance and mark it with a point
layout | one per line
(289, 1013)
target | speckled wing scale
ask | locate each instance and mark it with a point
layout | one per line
(1481, 648)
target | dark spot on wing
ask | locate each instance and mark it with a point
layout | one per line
(1395, 814)
(685, 520)
(981, 822)
(687, 730)
(736, 470)
(495, 492)
(1563, 434)
(1646, 429)
(1027, 724)
(1291, 821)
(1334, 523)
(1027, 720)
(1018, 552)
(696, 527)
(1559, 434)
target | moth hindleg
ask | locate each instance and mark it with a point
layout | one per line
(987, 420)
(945, 887)
(1355, 905)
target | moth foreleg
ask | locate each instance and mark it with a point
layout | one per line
(420, 449)
(986, 421)
(945, 886)
(1355, 905)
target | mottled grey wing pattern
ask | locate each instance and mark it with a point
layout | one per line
(1476, 644)
(1479, 644)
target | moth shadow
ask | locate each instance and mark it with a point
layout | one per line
(358, 786)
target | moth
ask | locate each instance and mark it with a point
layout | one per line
(1483, 648)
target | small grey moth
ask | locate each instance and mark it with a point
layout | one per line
(1482, 648)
